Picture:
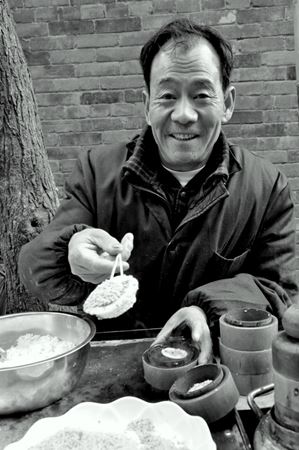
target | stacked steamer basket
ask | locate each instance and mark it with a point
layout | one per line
(286, 371)
(246, 336)
(278, 429)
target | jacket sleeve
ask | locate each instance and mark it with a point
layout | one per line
(43, 262)
(270, 283)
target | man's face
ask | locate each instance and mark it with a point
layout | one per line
(186, 104)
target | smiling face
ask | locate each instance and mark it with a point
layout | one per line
(186, 104)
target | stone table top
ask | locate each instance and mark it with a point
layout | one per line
(113, 370)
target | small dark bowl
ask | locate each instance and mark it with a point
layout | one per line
(213, 404)
(197, 375)
(160, 371)
(155, 357)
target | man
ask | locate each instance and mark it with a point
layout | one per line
(213, 224)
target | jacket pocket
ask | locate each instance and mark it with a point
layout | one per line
(228, 267)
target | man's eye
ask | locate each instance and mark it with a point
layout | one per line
(167, 96)
(202, 95)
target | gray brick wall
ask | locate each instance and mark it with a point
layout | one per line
(83, 57)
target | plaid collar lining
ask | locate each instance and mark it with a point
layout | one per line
(144, 159)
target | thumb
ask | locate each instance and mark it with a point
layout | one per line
(127, 245)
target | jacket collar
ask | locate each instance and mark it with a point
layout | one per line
(143, 159)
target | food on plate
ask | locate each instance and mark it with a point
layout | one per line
(198, 386)
(113, 297)
(140, 434)
(31, 348)
(152, 439)
(70, 439)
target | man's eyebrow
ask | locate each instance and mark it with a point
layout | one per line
(167, 80)
(202, 83)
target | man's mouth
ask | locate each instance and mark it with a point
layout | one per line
(183, 136)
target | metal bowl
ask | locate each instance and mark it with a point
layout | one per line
(32, 386)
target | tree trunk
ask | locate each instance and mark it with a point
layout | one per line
(28, 196)
(296, 37)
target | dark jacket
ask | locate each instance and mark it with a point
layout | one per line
(235, 246)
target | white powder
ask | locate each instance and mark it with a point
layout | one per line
(31, 348)
(198, 386)
(82, 440)
(140, 434)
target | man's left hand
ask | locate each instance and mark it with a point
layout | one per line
(195, 319)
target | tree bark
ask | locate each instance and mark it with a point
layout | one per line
(28, 196)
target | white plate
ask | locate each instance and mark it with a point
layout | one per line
(169, 419)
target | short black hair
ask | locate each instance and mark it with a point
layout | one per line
(183, 31)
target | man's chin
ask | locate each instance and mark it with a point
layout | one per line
(185, 165)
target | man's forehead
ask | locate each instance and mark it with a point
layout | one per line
(198, 60)
(178, 47)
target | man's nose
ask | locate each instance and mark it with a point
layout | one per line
(184, 112)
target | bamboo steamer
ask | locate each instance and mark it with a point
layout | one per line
(279, 428)
(285, 349)
(246, 336)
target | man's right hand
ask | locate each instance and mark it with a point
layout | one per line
(92, 253)
(195, 319)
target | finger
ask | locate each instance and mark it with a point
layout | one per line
(196, 335)
(95, 278)
(198, 325)
(161, 337)
(206, 350)
(127, 246)
(105, 241)
(95, 266)
(166, 331)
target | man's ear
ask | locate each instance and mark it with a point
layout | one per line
(146, 103)
(229, 103)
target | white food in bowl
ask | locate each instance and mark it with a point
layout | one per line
(174, 353)
(198, 386)
(70, 439)
(164, 421)
(30, 348)
(138, 435)
(33, 385)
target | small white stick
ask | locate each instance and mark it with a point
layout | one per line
(114, 267)
(118, 260)
(121, 267)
